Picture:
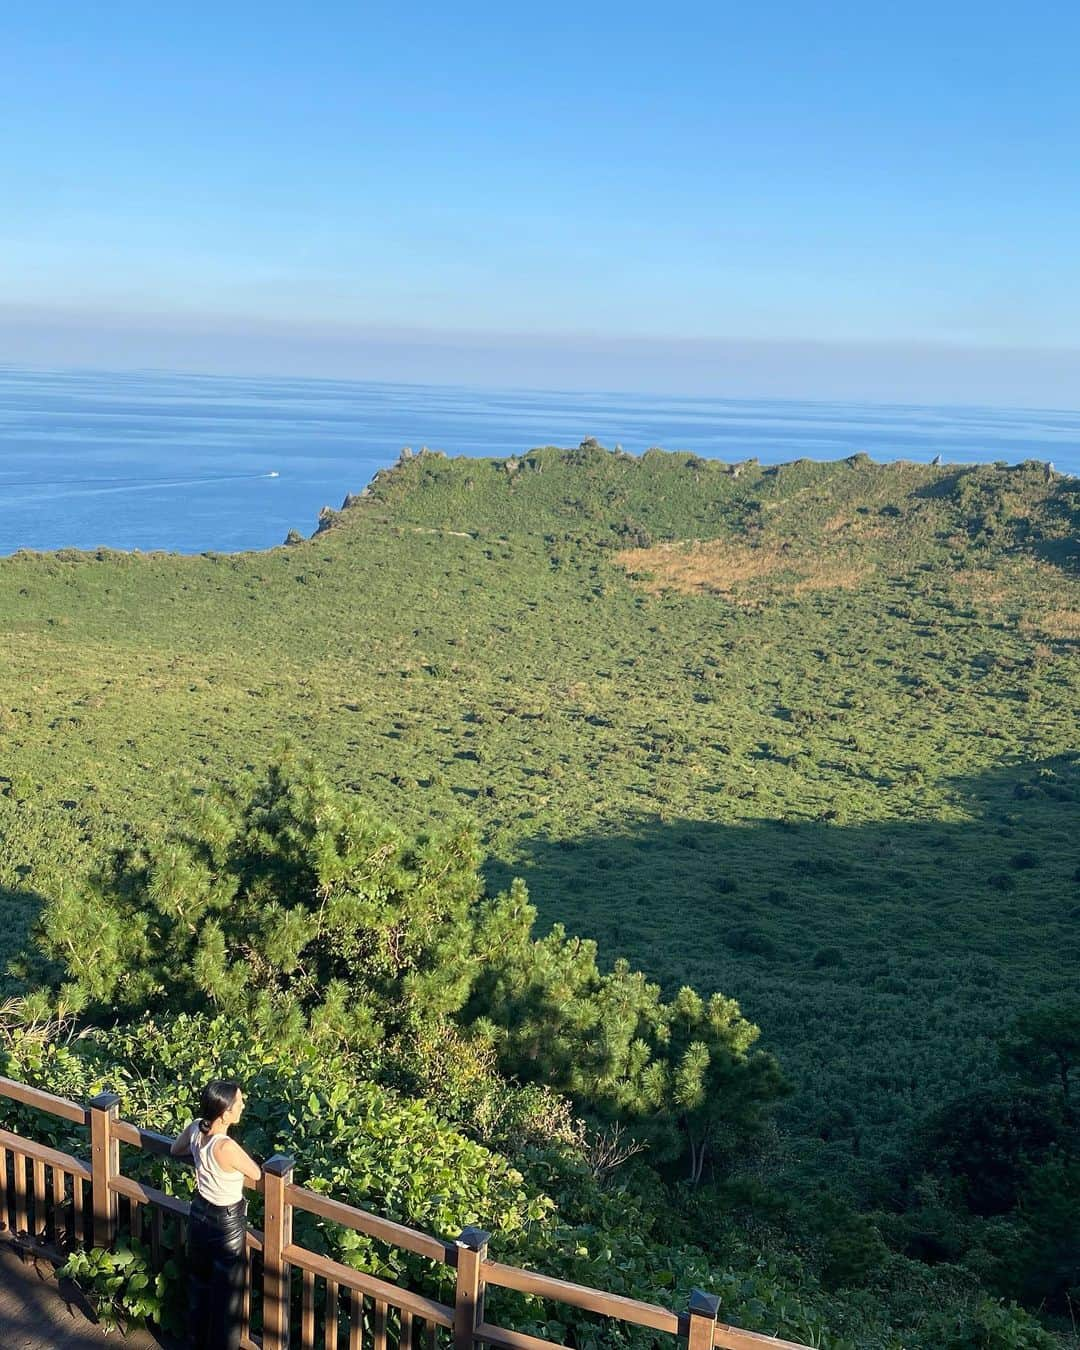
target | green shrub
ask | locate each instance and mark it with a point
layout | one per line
(122, 1288)
(990, 1325)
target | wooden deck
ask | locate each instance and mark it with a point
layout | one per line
(38, 1313)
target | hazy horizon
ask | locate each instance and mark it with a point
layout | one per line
(909, 373)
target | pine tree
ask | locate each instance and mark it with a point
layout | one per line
(284, 901)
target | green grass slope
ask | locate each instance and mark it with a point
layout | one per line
(804, 734)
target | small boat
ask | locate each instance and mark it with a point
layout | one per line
(273, 474)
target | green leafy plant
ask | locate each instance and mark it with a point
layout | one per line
(120, 1285)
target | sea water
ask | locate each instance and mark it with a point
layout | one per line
(193, 463)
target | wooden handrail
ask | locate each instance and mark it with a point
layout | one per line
(581, 1296)
(149, 1195)
(504, 1339)
(734, 1338)
(43, 1153)
(161, 1144)
(384, 1230)
(148, 1140)
(44, 1101)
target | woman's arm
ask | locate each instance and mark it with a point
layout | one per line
(181, 1145)
(237, 1159)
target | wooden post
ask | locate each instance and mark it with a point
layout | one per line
(703, 1309)
(105, 1165)
(277, 1235)
(472, 1248)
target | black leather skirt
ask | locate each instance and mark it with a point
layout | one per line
(222, 1227)
(215, 1274)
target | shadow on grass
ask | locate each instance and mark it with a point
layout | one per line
(19, 910)
(676, 895)
(1063, 507)
(880, 959)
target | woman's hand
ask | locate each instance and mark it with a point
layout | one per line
(181, 1145)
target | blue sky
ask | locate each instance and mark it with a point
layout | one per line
(367, 190)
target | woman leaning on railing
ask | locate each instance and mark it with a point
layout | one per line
(218, 1217)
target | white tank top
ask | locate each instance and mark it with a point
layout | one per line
(219, 1185)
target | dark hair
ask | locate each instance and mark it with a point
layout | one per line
(217, 1096)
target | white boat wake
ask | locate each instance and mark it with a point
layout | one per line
(25, 489)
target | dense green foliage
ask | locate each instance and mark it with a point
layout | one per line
(823, 760)
(122, 1285)
(564, 1212)
(288, 907)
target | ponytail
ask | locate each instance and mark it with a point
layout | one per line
(217, 1096)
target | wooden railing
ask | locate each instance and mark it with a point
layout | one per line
(309, 1301)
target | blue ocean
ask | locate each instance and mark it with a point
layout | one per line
(192, 463)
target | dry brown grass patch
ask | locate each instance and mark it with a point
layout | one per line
(983, 585)
(826, 576)
(1061, 623)
(861, 527)
(1017, 581)
(720, 567)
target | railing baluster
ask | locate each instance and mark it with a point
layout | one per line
(245, 1305)
(59, 1205)
(331, 1332)
(405, 1333)
(307, 1312)
(356, 1318)
(39, 1199)
(20, 1194)
(78, 1226)
(5, 1189)
(378, 1326)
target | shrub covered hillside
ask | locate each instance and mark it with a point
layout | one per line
(804, 735)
